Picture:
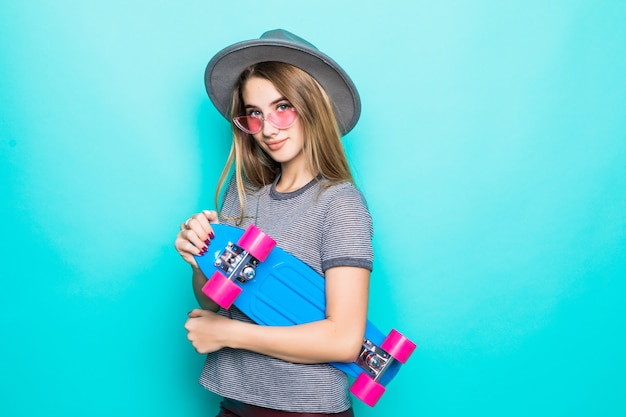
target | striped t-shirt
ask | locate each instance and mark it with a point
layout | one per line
(324, 227)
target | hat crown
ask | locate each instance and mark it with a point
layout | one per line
(284, 35)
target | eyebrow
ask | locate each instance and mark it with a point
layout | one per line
(273, 103)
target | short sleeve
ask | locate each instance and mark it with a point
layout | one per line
(347, 230)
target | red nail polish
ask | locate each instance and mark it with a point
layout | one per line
(212, 235)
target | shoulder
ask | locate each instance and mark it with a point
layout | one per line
(344, 200)
(344, 192)
(345, 210)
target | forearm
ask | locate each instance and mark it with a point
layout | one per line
(316, 342)
(197, 281)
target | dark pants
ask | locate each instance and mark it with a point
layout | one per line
(232, 408)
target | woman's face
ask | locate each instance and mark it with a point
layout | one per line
(284, 146)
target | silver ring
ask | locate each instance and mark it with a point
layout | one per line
(187, 223)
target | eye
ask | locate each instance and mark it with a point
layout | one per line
(284, 107)
(254, 113)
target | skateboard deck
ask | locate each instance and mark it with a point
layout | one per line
(274, 288)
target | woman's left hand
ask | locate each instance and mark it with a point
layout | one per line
(204, 330)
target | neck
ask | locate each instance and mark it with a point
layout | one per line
(292, 180)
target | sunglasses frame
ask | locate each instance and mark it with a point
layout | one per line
(263, 119)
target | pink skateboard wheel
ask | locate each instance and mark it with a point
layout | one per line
(257, 243)
(367, 390)
(221, 290)
(398, 346)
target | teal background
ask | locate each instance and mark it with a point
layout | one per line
(491, 149)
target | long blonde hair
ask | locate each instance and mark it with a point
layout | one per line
(323, 150)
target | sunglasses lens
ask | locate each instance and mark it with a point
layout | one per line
(282, 119)
(249, 124)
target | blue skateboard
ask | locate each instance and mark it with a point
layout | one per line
(275, 288)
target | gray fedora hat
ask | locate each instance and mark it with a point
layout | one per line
(224, 69)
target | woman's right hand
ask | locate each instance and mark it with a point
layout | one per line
(195, 235)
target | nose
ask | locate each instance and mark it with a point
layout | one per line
(269, 129)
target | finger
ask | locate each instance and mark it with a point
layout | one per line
(185, 245)
(204, 229)
(200, 224)
(199, 243)
(196, 312)
(187, 250)
(185, 225)
(211, 216)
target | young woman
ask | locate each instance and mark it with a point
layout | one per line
(287, 173)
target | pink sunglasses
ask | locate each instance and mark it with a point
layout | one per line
(280, 119)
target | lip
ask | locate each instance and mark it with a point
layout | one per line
(276, 144)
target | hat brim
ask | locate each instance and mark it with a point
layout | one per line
(223, 71)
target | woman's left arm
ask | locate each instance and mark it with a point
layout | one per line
(337, 338)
